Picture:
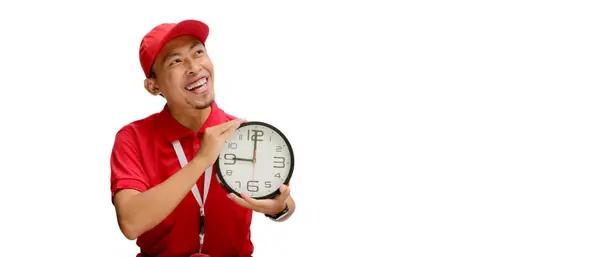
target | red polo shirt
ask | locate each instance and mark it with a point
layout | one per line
(143, 157)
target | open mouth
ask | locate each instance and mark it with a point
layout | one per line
(199, 86)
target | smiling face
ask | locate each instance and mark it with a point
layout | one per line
(183, 74)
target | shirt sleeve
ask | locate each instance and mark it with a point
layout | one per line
(126, 164)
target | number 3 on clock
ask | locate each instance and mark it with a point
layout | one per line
(279, 162)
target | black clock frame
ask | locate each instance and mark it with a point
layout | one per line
(275, 193)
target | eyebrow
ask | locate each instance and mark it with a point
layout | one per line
(173, 54)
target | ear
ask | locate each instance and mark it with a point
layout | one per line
(151, 86)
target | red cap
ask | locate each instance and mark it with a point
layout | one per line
(160, 35)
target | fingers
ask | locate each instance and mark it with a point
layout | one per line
(232, 128)
(263, 206)
(257, 203)
(230, 125)
(285, 193)
(221, 128)
(240, 201)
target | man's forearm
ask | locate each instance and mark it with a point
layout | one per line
(140, 212)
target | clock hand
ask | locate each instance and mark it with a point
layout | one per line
(254, 153)
(242, 159)
(254, 158)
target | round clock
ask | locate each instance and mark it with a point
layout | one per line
(256, 160)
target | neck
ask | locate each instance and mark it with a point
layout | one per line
(191, 118)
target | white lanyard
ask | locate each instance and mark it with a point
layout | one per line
(207, 174)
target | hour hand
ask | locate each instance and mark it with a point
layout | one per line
(243, 159)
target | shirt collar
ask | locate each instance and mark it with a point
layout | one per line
(172, 130)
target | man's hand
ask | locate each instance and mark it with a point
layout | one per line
(214, 139)
(266, 206)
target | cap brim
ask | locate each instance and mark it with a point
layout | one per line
(194, 28)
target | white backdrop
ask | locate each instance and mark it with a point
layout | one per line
(456, 127)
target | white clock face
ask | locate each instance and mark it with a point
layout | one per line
(256, 160)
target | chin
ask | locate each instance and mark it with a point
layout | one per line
(204, 105)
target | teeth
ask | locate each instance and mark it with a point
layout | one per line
(200, 82)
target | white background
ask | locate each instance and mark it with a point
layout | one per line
(460, 128)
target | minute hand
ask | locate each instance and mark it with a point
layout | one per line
(254, 152)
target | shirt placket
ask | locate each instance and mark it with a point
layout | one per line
(195, 145)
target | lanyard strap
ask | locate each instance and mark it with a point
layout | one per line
(207, 174)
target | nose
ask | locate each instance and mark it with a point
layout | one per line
(193, 68)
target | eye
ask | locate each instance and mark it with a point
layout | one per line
(175, 61)
(199, 52)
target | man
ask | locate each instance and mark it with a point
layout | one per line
(153, 187)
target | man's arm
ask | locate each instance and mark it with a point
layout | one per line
(139, 212)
